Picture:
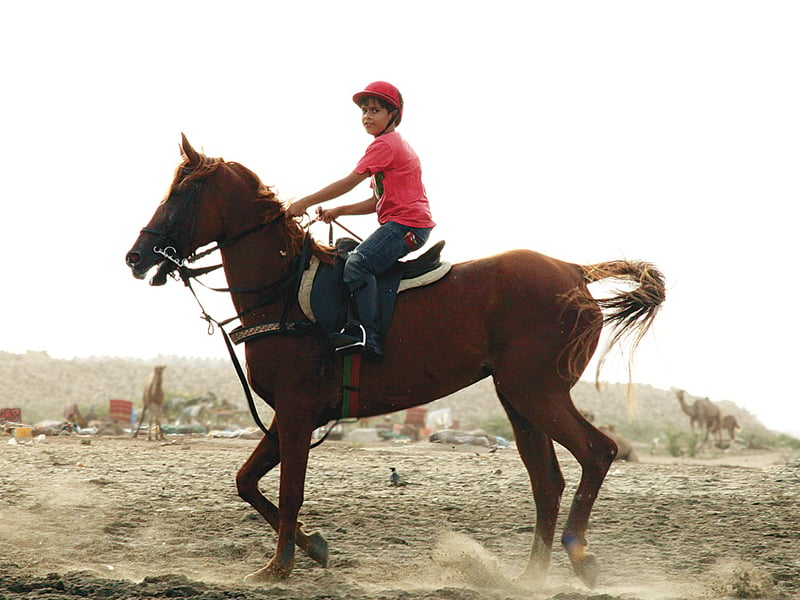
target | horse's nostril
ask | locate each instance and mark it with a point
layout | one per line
(132, 259)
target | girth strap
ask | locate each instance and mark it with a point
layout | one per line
(245, 334)
(351, 385)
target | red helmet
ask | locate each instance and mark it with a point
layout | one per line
(384, 91)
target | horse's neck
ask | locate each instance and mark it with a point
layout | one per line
(253, 263)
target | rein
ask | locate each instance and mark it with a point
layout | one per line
(330, 228)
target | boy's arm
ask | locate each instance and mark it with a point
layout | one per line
(365, 207)
(329, 192)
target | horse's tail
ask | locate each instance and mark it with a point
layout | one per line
(628, 313)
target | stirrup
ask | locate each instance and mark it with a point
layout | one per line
(350, 340)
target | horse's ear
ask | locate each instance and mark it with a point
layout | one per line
(189, 153)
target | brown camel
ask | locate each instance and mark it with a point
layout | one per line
(625, 450)
(731, 425)
(153, 399)
(703, 413)
(690, 409)
(711, 418)
(72, 414)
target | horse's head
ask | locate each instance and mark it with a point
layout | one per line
(211, 200)
(184, 221)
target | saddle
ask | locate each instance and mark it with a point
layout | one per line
(324, 297)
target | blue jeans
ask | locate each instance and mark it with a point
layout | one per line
(381, 250)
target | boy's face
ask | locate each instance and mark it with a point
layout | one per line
(375, 118)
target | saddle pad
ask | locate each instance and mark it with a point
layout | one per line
(304, 296)
(330, 297)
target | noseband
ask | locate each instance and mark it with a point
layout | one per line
(169, 235)
(188, 206)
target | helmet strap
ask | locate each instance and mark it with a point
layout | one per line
(396, 112)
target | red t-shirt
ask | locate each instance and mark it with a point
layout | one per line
(396, 181)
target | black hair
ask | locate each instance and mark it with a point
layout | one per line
(384, 103)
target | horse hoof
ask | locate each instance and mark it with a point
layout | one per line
(587, 570)
(317, 549)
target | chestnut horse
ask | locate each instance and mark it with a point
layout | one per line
(524, 319)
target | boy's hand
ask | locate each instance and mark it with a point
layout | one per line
(328, 215)
(296, 209)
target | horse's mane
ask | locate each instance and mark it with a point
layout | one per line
(274, 210)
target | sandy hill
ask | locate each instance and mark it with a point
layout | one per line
(42, 386)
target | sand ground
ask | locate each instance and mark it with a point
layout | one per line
(121, 518)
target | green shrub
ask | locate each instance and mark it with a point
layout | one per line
(693, 445)
(674, 442)
(787, 441)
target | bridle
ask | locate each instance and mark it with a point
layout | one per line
(169, 234)
(285, 287)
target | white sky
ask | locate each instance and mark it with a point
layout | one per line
(590, 131)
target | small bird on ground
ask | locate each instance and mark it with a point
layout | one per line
(395, 479)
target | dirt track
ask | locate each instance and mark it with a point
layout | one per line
(136, 519)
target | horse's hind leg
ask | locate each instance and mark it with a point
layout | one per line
(553, 413)
(263, 459)
(537, 453)
(594, 452)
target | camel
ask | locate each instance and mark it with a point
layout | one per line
(153, 399)
(625, 450)
(703, 413)
(689, 409)
(72, 414)
(731, 425)
(711, 416)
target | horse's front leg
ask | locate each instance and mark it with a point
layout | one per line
(263, 459)
(294, 441)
